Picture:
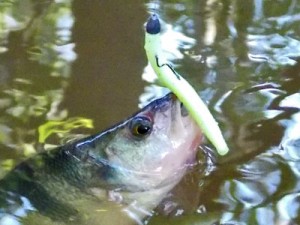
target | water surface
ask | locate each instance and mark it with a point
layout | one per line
(71, 68)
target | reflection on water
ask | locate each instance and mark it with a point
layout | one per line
(36, 58)
(67, 64)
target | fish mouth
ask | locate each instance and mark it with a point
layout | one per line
(183, 110)
(173, 118)
(163, 104)
(169, 101)
(170, 108)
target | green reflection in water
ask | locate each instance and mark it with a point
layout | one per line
(62, 127)
(7, 164)
(36, 54)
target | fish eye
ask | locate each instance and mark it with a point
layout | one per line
(141, 126)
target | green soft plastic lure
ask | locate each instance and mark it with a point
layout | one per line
(180, 87)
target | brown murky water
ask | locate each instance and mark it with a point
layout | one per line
(76, 67)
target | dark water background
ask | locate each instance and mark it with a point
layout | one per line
(69, 68)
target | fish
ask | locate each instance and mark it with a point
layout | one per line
(114, 177)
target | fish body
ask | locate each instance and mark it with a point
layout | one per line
(115, 177)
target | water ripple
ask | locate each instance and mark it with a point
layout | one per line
(275, 49)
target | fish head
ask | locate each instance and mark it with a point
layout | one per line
(151, 149)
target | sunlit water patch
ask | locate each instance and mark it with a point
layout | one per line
(274, 49)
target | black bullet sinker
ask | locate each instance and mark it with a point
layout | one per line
(153, 25)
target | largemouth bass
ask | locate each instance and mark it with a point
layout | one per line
(115, 177)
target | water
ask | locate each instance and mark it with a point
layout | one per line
(82, 65)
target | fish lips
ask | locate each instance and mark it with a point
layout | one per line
(166, 102)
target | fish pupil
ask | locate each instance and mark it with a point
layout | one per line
(143, 129)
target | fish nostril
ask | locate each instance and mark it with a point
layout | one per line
(183, 110)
